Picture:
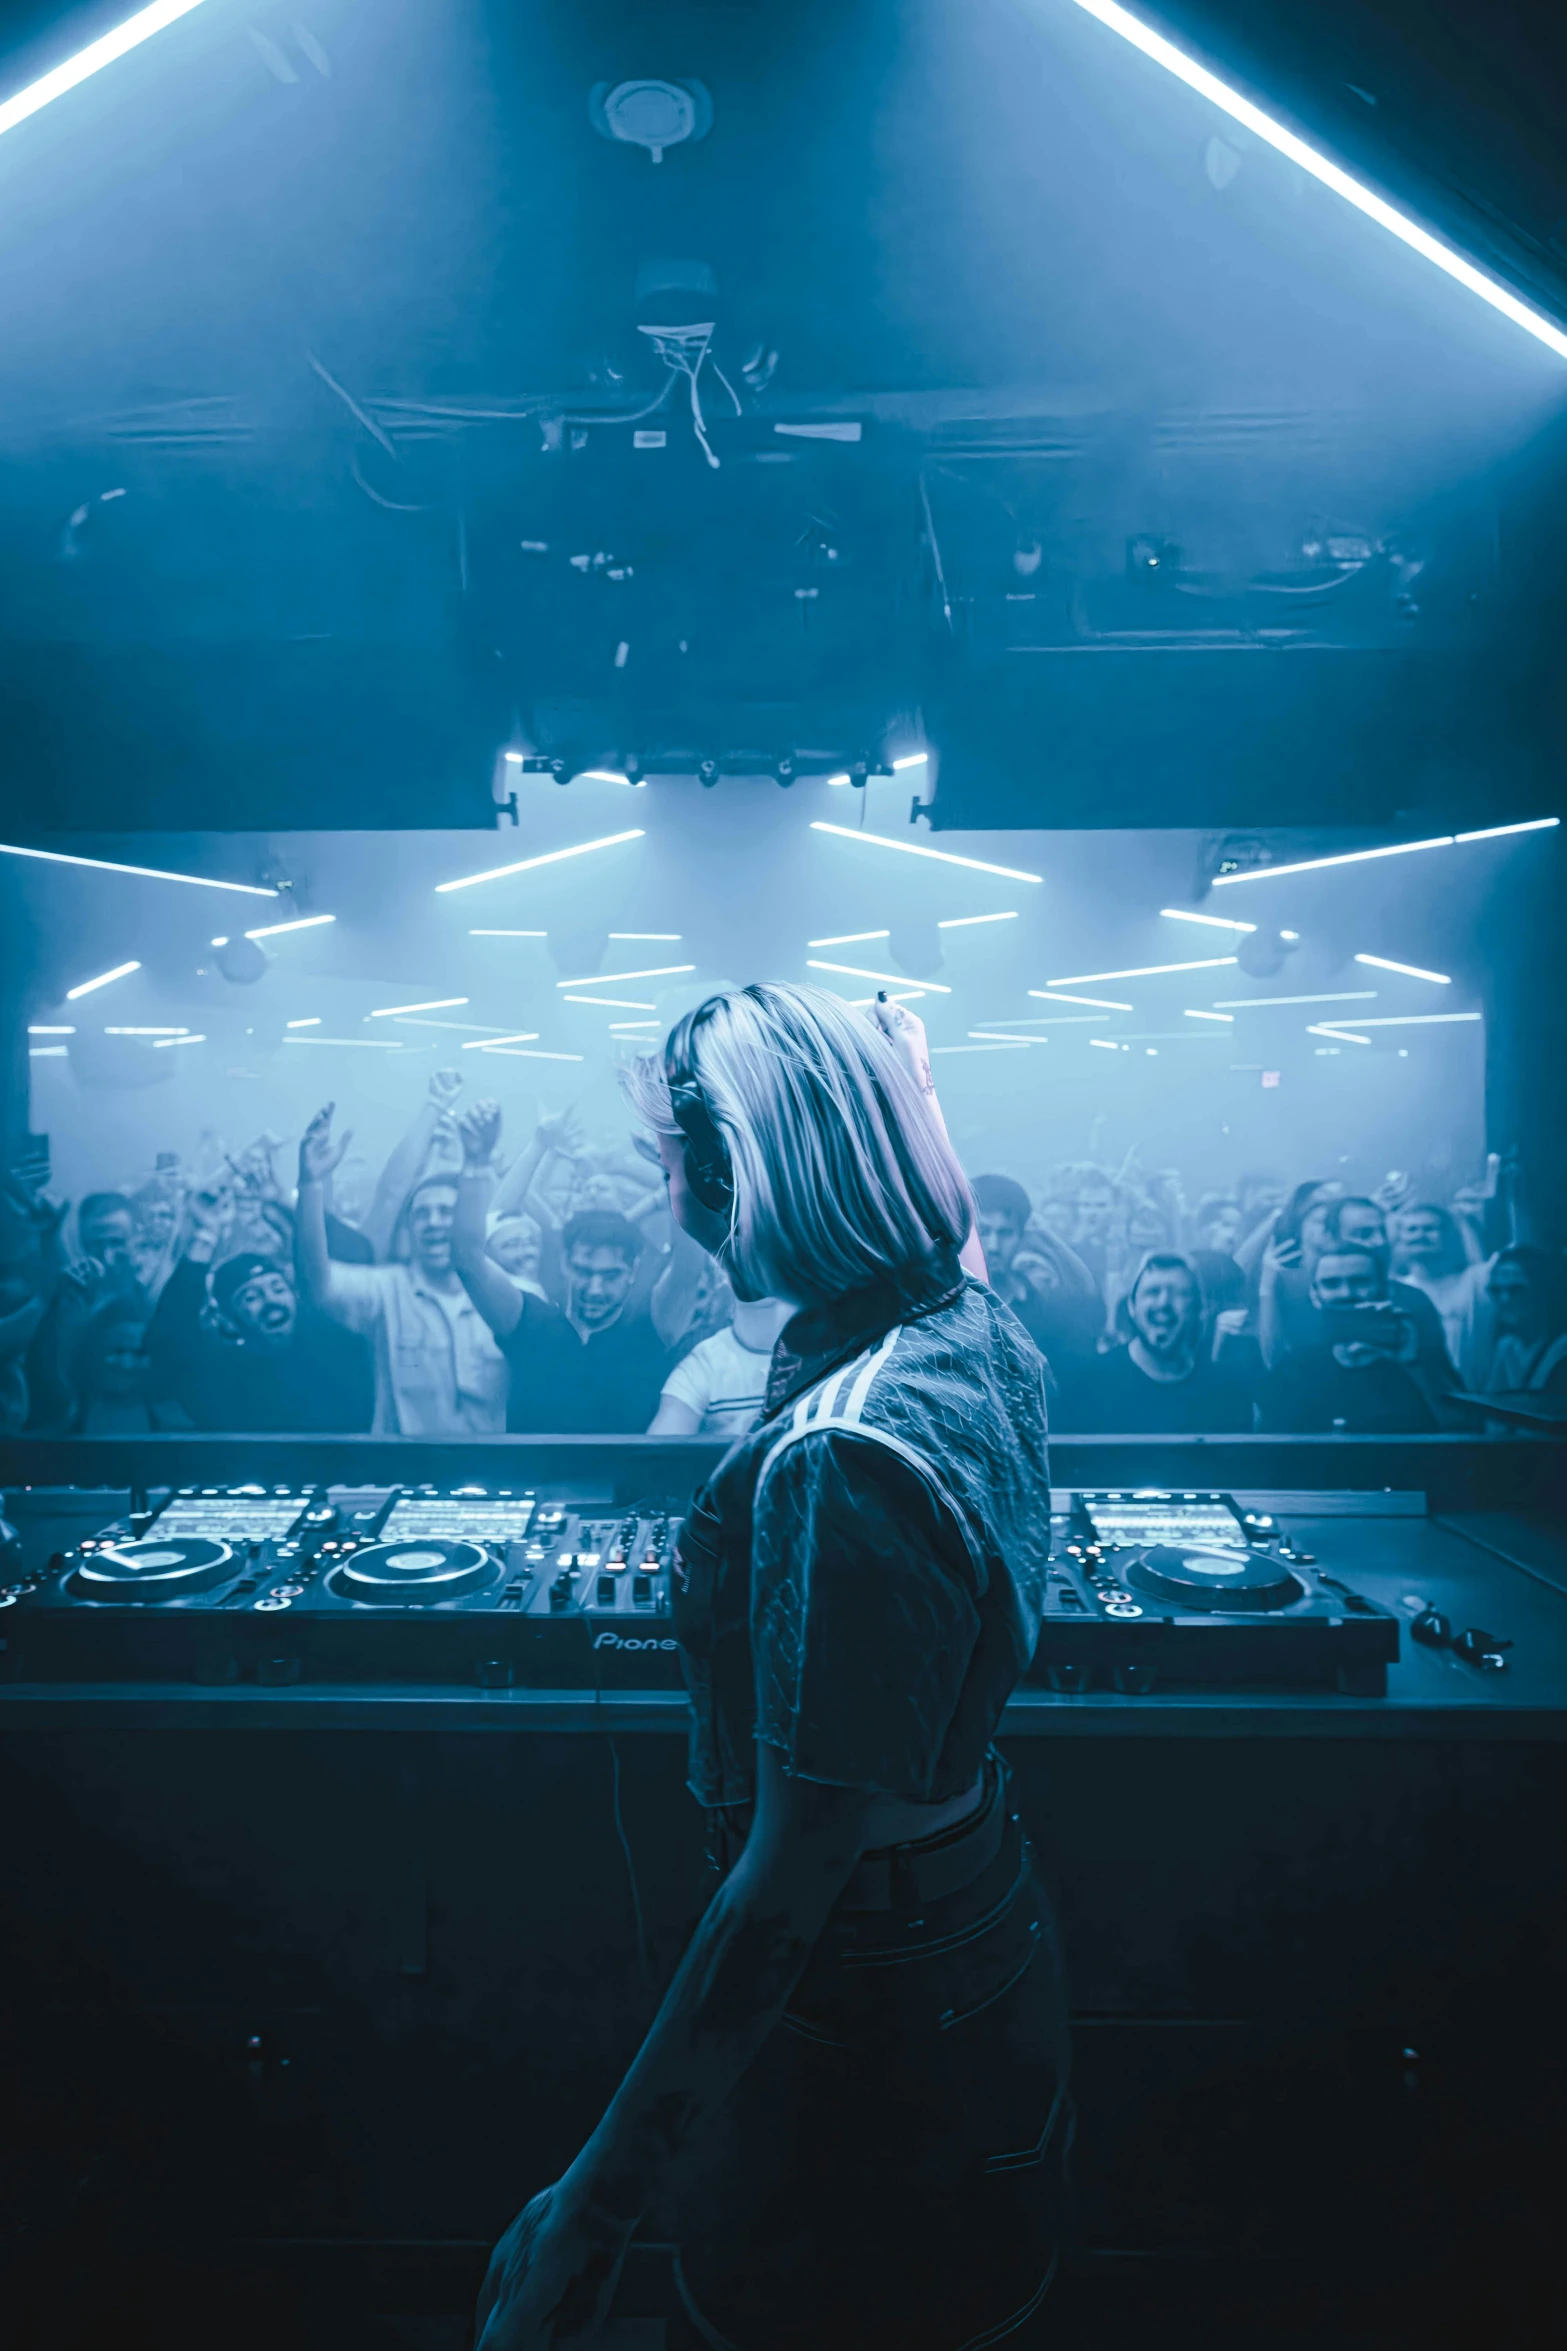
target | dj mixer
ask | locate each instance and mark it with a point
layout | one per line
(1152, 1590)
(499, 1587)
(280, 1584)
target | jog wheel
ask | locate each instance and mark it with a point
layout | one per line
(151, 1571)
(1244, 1582)
(415, 1574)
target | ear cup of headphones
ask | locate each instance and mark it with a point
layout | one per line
(708, 1171)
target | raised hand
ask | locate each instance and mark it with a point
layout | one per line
(906, 1031)
(318, 1153)
(445, 1086)
(208, 1211)
(1280, 1257)
(560, 1131)
(480, 1129)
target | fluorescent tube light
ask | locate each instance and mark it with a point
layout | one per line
(610, 979)
(1332, 175)
(370, 1044)
(1268, 873)
(854, 971)
(1212, 922)
(102, 981)
(515, 1037)
(431, 1004)
(1001, 1048)
(1008, 873)
(81, 68)
(990, 1037)
(911, 759)
(849, 939)
(963, 922)
(1104, 1044)
(54, 1030)
(145, 873)
(614, 1003)
(1339, 1036)
(497, 873)
(1337, 996)
(1494, 832)
(1189, 1015)
(1411, 971)
(527, 1053)
(1139, 971)
(508, 934)
(187, 1038)
(146, 1032)
(1099, 1003)
(1415, 1020)
(306, 922)
(661, 938)
(314, 1022)
(48, 1052)
(460, 1028)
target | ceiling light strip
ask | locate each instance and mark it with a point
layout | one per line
(104, 51)
(1252, 1003)
(1212, 922)
(1332, 175)
(145, 873)
(854, 971)
(1099, 1003)
(431, 1004)
(498, 873)
(121, 971)
(1137, 971)
(1410, 971)
(306, 922)
(1008, 873)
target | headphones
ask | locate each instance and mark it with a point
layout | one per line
(709, 1172)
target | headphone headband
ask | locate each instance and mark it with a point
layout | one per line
(709, 1172)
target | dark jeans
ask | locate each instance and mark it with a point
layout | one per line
(892, 2168)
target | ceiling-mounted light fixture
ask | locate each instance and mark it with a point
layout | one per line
(1387, 216)
(93, 59)
(651, 113)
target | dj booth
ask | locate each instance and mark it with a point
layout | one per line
(349, 1851)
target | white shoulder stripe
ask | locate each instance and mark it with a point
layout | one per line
(861, 1388)
(919, 1462)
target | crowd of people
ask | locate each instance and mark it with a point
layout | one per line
(487, 1285)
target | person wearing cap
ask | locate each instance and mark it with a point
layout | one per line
(237, 1350)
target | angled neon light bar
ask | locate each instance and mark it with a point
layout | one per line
(1387, 216)
(81, 68)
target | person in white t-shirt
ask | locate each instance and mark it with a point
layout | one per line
(718, 1389)
(438, 1370)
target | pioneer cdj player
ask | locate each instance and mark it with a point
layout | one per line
(473, 1585)
(1149, 1590)
(281, 1584)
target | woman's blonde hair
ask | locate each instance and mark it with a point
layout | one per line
(841, 1175)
